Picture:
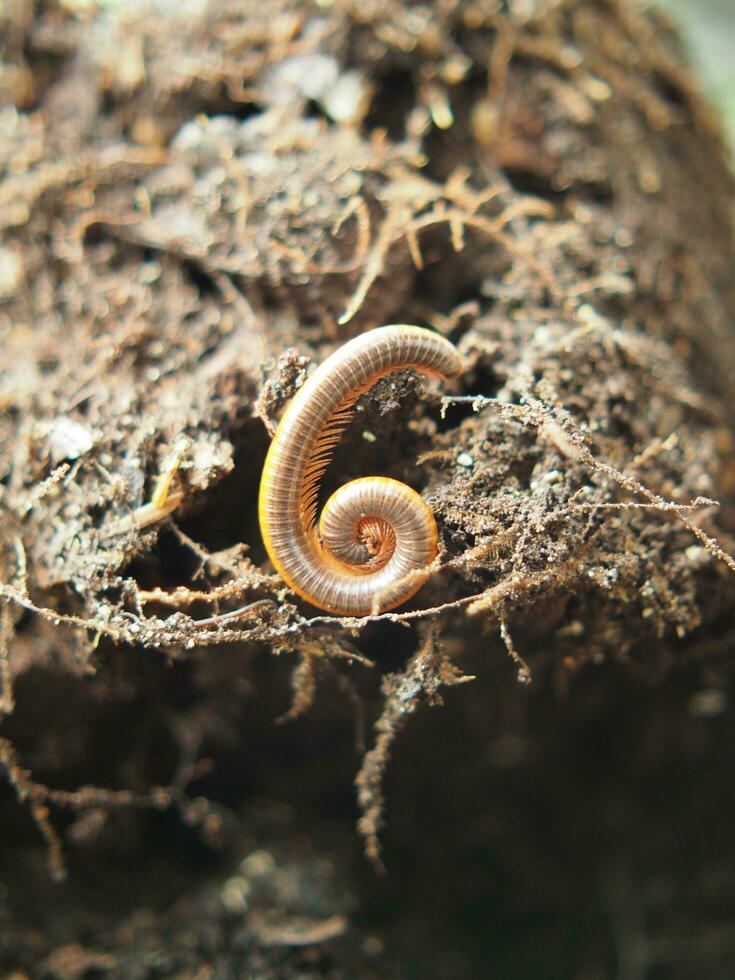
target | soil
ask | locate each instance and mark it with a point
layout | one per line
(200, 201)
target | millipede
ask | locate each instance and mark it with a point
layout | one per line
(376, 538)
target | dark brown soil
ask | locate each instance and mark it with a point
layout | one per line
(195, 206)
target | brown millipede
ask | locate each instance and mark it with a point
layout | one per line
(376, 537)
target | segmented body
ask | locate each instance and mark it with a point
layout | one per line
(376, 536)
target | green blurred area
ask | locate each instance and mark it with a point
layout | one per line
(709, 32)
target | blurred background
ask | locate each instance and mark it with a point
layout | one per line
(709, 33)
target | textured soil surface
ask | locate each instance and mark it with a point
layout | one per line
(197, 203)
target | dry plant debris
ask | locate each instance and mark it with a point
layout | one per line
(183, 201)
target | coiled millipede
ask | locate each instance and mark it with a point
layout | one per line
(376, 537)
